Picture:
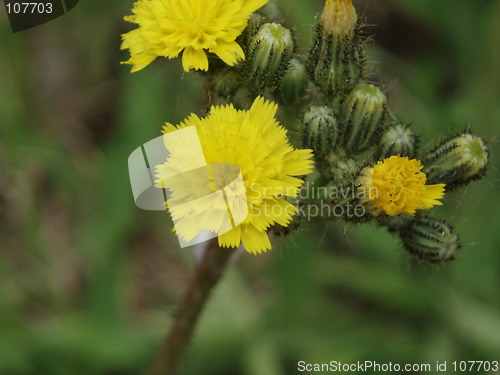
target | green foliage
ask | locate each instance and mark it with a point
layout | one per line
(88, 281)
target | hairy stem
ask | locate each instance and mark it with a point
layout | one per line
(208, 272)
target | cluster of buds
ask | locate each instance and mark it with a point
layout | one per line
(344, 117)
(453, 162)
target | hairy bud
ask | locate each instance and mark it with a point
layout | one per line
(225, 82)
(294, 83)
(321, 130)
(457, 160)
(431, 240)
(363, 113)
(397, 140)
(270, 51)
(336, 60)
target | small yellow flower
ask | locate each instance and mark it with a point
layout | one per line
(257, 144)
(397, 185)
(339, 17)
(168, 27)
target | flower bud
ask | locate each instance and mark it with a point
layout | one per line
(270, 52)
(336, 60)
(339, 167)
(255, 21)
(364, 113)
(430, 240)
(225, 82)
(339, 17)
(294, 83)
(271, 11)
(335, 66)
(457, 160)
(321, 131)
(397, 140)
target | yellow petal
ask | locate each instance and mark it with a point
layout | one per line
(253, 240)
(299, 163)
(231, 238)
(139, 61)
(194, 59)
(431, 195)
(252, 5)
(229, 52)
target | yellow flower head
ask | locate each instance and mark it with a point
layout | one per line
(257, 144)
(339, 17)
(168, 27)
(396, 185)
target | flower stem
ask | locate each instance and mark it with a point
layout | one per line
(209, 270)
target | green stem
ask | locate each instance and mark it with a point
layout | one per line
(207, 274)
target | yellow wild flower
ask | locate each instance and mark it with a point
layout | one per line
(255, 142)
(397, 185)
(169, 27)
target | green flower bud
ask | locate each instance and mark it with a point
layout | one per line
(294, 83)
(336, 60)
(430, 240)
(271, 11)
(397, 140)
(270, 52)
(364, 113)
(457, 160)
(225, 82)
(321, 131)
(339, 167)
(255, 21)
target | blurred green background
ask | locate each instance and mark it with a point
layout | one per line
(88, 282)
